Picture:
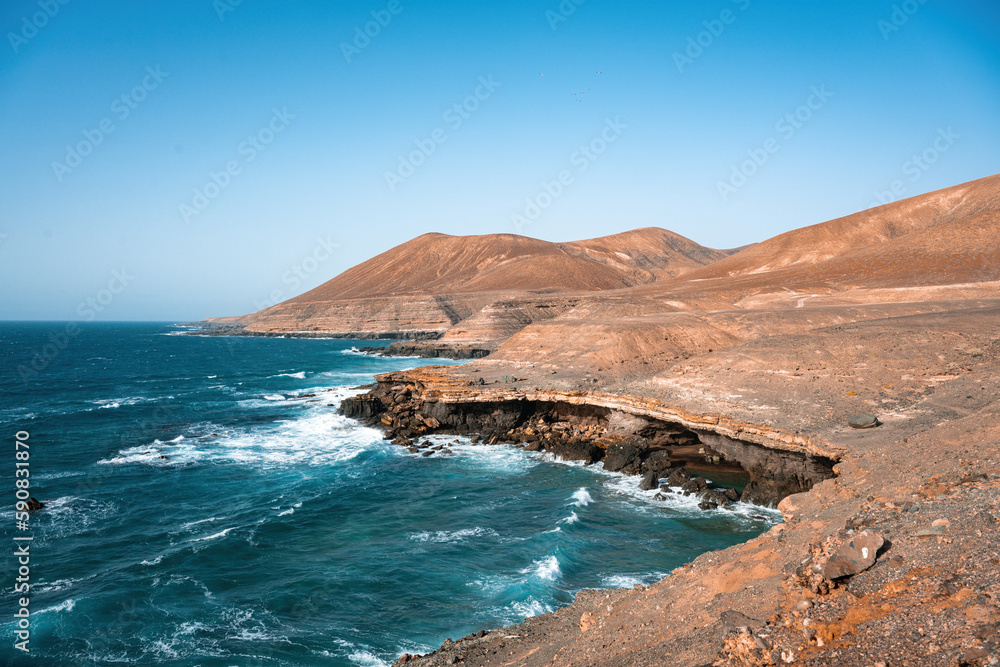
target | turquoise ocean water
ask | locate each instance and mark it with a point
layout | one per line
(199, 511)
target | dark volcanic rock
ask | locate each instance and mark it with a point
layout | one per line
(576, 450)
(696, 485)
(621, 456)
(713, 498)
(657, 461)
(856, 556)
(34, 504)
(678, 477)
(649, 481)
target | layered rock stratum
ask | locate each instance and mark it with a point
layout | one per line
(892, 312)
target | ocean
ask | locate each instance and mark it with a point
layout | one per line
(206, 505)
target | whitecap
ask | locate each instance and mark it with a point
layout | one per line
(582, 497)
(57, 585)
(445, 536)
(66, 605)
(546, 568)
(112, 403)
(301, 375)
(212, 537)
(530, 607)
(572, 518)
(368, 659)
(630, 580)
(274, 397)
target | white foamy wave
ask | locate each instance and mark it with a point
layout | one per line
(442, 536)
(492, 458)
(301, 375)
(582, 497)
(195, 523)
(57, 585)
(66, 605)
(112, 403)
(318, 436)
(155, 561)
(546, 568)
(628, 485)
(274, 397)
(70, 515)
(158, 453)
(347, 376)
(572, 518)
(212, 537)
(290, 510)
(530, 607)
(630, 580)
(368, 659)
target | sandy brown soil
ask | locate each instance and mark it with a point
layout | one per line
(933, 465)
(892, 312)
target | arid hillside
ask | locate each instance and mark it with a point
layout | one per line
(427, 285)
(476, 292)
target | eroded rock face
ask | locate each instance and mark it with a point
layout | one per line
(590, 433)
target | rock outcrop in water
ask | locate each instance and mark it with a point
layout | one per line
(410, 404)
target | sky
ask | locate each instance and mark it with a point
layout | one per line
(175, 160)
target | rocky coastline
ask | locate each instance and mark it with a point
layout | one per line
(209, 328)
(891, 560)
(666, 454)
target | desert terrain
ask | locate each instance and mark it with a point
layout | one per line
(890, 559)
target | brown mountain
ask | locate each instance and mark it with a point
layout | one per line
(425, 286)
(868, 229)
(444, 264)
(480, 291)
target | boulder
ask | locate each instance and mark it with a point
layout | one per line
(863, 421)
(856, 556)
(576, 450)
(678, 477)
(623, 456)
(649, 481)
(657, 461)
(696, 485)
(34, 504)
(714, 497)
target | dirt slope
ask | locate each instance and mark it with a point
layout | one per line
(866, 229)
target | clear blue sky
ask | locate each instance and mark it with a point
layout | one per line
(199, 78)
